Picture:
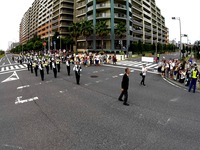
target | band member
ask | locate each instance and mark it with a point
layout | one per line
(50, 62)
(31, 66)
(28, 63)
(54, 68)
(46, 65)
(41, 67)
(35, 66)
(68, 66)
(124, 86)
(58, 64)
(77, 68)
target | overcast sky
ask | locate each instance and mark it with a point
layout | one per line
(12, 11)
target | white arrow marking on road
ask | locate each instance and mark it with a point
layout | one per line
(13, 77)
(21, 87)
(19, 101)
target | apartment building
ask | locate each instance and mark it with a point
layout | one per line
(143, 19)
(24, 28)
(46, 17)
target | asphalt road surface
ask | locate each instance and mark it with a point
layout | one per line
(57, 114)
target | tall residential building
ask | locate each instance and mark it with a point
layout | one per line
(143, 19)
(24, 28)
(46, 17)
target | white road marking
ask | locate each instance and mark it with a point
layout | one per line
(121, 74)
(7, 68)
(25, 65)
(174, 100)
(17, 67)
(114, 76)
(21, 66)
(98, 81)
(21, 87)
(11, 68)
(87, 84)
(12, 146)
(8, 59)
(164, 123)
(38, 83)
(95, 71)
(13, 77)
(123, 67)
(106, 78)
(2, 69)
(19, 101)
(12, 71)
(3, 64)
(151, 66)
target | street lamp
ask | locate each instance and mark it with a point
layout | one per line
(178, 18)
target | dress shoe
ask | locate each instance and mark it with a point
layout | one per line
(126, 104)
(120, 99)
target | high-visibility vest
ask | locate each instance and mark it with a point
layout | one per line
(194, 74)
(158, 55)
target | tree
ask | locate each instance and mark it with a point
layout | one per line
(120, 29)
(86, 30)
(75, 32)
(102, 30)
(37, 45)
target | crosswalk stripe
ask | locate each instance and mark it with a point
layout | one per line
(11, 67)
(2, 69)
(7, 68)
(17, 67)
(25, 65)
(152, 66)
(21, 66)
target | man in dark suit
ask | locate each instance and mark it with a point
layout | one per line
(124, 86)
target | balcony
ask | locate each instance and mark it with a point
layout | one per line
(117, 15)
(103, 15)
(103, 5)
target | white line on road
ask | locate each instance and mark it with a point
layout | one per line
(114, 76)
(19, 101)
(11, 68)
(8, 59)
(2, 69)
(121, 74)
(21, 87)
(3, 64)
(17, 67)
(21, 66)
(7, 68)
(11, 71)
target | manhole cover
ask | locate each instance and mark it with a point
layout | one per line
(93, 76)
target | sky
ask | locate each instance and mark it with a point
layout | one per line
(12, 11)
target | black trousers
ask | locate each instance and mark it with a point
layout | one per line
(28, 65)
(125, 94)
(55, 72)
(42, 74)
(47, 69)
(31, 68)
(77, 77)
(143, 79)
(50, 65)
(58, 66)
(36, 69)
(68, 70)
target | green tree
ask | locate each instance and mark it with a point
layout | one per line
(75, 32)
(38, 45)
(140, 47)
(86, 30)
(102, 30)
(120, 29)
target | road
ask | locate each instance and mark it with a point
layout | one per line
(58, 114)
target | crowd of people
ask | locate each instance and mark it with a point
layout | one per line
(180, 71)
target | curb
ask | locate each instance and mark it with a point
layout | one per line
(179, 85)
